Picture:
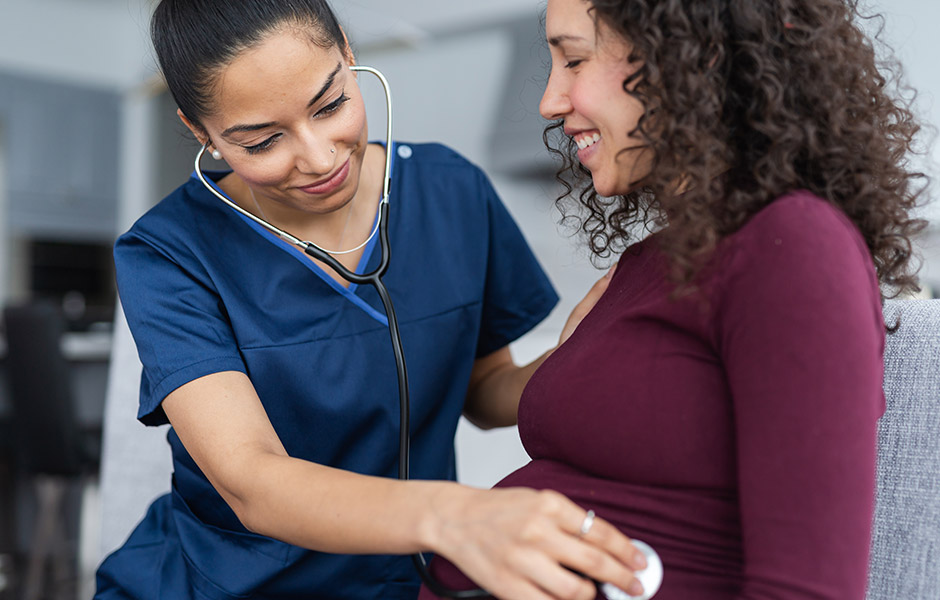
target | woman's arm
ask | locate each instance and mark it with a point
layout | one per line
(511, 541)
(496, 382)
(801, 339)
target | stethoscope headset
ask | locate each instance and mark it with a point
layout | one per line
(374, 279)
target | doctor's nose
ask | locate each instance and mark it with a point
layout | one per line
(555, 103)
(315, 156)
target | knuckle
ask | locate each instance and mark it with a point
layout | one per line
(531, 530)
(515, 560)
(551, 502)
(604, 534)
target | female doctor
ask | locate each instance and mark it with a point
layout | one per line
(276, 374)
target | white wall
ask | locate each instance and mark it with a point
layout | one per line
(910, 29)
(96, 42)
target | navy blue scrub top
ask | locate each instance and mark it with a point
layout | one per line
(204, 293)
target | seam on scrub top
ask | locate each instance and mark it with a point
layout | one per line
(358, 333)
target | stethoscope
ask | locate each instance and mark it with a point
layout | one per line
(374, 279)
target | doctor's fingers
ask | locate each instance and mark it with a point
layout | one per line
(536, 576)
(603, 553)
(565, 536)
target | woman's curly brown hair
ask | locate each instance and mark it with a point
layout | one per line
(776, 95)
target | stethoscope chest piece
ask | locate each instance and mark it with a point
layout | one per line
(650, 578)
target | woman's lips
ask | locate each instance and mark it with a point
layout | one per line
(587, 142)
(585, 154)
(331, 183)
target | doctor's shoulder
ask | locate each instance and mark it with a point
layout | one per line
(176, 224)
(442, 172)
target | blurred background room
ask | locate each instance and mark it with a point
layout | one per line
(89, 140)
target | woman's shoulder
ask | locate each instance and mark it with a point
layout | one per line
(799, 239)
(800, 215)
(803, 224)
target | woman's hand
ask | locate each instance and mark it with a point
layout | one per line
(584, 307)
(523, 544)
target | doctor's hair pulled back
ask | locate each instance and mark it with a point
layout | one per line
(195, 39)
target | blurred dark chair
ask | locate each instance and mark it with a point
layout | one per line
(51, 449)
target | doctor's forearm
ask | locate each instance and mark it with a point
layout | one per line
(331, 510)
(224, 427)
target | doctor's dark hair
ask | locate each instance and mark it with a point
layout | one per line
(195, 39)
(743, 102)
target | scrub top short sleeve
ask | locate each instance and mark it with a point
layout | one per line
(180, 328)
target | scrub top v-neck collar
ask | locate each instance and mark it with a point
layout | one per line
(349, 293)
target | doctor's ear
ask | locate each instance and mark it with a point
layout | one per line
(196, 130)
(347, 50)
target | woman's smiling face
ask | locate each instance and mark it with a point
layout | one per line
(585, 90)
(289, 119)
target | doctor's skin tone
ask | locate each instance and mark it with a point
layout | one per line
(294, 133)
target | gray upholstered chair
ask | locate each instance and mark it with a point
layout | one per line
(136, 465)
(905, 561)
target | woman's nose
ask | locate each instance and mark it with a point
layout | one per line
(555, 103)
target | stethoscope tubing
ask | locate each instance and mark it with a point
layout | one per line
(373, 278)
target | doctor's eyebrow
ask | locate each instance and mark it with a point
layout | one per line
(327, 85)
(323, 90)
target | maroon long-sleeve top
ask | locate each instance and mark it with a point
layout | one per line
(733, 430)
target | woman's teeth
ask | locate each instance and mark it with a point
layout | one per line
(587, 140)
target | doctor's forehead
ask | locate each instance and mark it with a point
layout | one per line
(279, 72)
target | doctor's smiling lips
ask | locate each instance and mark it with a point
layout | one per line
(329, 184)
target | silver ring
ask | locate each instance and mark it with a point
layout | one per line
(332, 150)
(586, 524)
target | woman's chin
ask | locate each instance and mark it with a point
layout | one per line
(607, 189)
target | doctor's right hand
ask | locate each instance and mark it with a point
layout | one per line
(524, 544)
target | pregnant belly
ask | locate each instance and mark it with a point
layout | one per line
(696, 532)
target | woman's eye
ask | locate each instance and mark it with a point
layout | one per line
(333, 106)
(263, 145)
(571, 64)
